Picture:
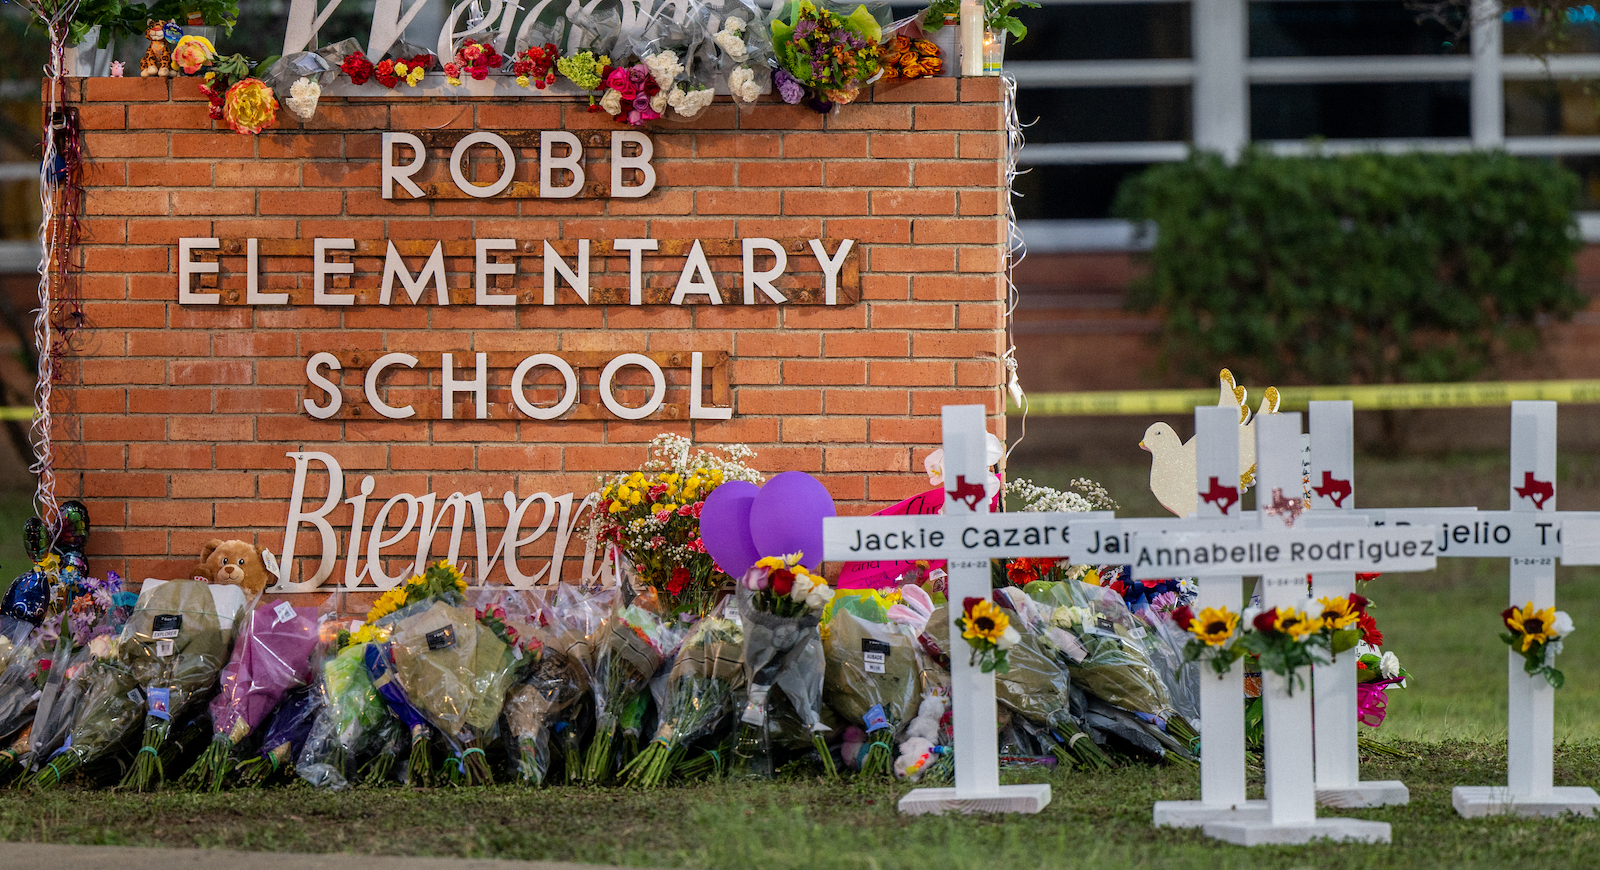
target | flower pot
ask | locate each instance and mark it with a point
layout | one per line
(994, 51)
(87, 58)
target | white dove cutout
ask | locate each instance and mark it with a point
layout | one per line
(1172, 460)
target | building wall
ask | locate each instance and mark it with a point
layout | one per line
(173, 421)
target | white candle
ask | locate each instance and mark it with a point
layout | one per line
(972, 33)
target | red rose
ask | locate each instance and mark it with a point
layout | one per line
(782, 581)
(1505, 616)
(1370, 635)
(1359, 602)
(1265, 620)
(1183, 616)
(1365, 578)
(968, 603)
(680, 580)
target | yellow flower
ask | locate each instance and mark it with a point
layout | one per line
(1214, 625)
(249, 106)
(1295, 624)
(191, 53)
(400, 69)
(1337, 613)
(1535, 626)
(985, 621)
(415, 76)
(771, 563)
(387, 603)
(617, 507)
(455, 81)
(522, 81)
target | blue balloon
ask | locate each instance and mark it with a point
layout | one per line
(28, 597)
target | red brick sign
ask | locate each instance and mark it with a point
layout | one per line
(470, 359)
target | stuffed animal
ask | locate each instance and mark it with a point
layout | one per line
(233, 563)
(157, 60)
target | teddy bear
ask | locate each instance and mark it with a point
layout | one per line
(234, 563)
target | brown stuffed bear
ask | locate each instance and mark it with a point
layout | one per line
(234, 563)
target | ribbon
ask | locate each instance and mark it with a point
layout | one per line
(1370, 701)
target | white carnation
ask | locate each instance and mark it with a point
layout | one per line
(742, 84)
(303, 96)
(1389, 666)
(664, 68)
(690, 103)
(732, 43)
(612, 102)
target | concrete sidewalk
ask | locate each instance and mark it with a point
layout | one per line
(24, 856)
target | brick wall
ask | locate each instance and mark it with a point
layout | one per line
(173, 422)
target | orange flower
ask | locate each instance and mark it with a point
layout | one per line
(249, 106)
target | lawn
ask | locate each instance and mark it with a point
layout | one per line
(1450, 723)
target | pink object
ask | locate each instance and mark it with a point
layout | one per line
(1370, 701)
(880, 575)
(116, 69)
(271, 656)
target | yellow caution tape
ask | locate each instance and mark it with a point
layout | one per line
(19, 413)
(1375, 397)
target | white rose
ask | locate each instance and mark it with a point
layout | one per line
(303, 96)
(1562, 625)
(802, 588)
(612, 102)
(103, 646)
(732, 45)
(664, 67)
(1008, 638)
(658, 103)
(820, 596)
(1389, 666)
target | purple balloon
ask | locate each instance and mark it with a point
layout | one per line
(725, 526)
(787, 514)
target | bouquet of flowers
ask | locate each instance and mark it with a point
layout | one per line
(96, 617)
(708, 670)
(588, 70)
(910, 57)
(988, 633)
(386, 680)
(824, 54)
(455, 669)
(780, 605)
(1537, 635)
(628, 651)
(1376, 671)
(1285, 639)
(579, 616)
(474, 59)
(1341, 622)
(175, 644)
(871, 681)
(354, 735)
(112, 711)
(652, 517)
(285, 735)
(555, 683)
(632, 95)
(272, 656)
(535, 66)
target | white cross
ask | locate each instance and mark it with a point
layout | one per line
(1283, 550)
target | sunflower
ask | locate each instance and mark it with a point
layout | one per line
(1534, 626)
(1338, 613)
(1294, 623)
(985, 621)
(1214, 625)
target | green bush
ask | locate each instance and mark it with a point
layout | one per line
(1368, 268)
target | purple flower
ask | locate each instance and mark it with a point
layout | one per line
(805, 28)
(788, 86)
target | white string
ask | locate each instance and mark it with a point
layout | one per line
(1016, 250)
(50, 235)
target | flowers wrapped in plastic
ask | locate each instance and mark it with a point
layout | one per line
(780, 605)
(175, 644)
(111, 714)
(271, 656)
(872, 677)
(285, 736)
(705, 675)
(96, 616)
(381, 668)
(825, 52)
(354, 735)
(555, 683)
(628, 651)
(1537, 636)
(456, 671)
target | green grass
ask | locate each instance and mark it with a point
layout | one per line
(1099, 821)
